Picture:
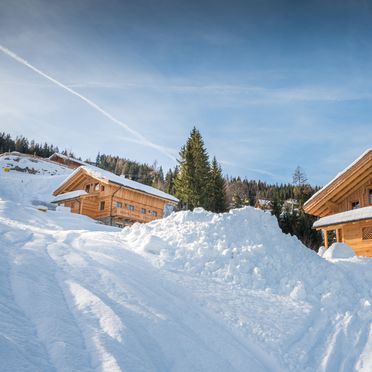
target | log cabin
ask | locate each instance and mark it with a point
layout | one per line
(344, 207)
(112, 199)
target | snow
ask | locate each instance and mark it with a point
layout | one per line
(196, 291)
(339, 250)
(30, 164)
(121, 180)
(359, 214)
(69, 195)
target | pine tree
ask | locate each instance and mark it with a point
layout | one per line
(217, 194)
(192, 181)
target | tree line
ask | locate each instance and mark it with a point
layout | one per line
(23, 145)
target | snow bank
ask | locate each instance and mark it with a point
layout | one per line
(339, 250)
(245, 246)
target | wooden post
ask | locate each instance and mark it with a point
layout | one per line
(325, 234)
(338, 236)
(81, 206)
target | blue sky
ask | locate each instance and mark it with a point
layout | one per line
(270, 84)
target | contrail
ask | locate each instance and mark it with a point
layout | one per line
(142, 139)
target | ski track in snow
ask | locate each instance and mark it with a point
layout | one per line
(190, 293)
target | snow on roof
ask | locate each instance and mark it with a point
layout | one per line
(69, 195)
(337, 176)
(343, 217)
(121, 180)
(67, 158)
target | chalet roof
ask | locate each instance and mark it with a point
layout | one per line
(340, 185)
(69, 195)
(102, 174)
(345, 217)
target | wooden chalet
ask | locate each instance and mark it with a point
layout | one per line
(112, 199)
(344, 206)
(68, 161)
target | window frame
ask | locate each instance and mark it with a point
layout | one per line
(101, 205)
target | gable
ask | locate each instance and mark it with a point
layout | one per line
(334, 196)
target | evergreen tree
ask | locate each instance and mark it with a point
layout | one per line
(217, 194)
(192, 180)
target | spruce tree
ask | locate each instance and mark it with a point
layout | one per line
(192, 181)
(217, 194)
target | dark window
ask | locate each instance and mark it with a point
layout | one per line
(131, 207)
(370, 197)
(102, 188)
(355, 205)
(143, 210)
(119, 205)
(153, 213)
(87, 188)
(101, 205)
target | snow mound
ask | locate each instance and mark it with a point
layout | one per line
(339, 250)
(321, 251)
(245, 247)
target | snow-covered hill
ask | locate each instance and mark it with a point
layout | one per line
(194, 292)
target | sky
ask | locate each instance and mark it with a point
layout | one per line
(270, 84)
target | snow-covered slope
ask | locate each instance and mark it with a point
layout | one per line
(193, 292)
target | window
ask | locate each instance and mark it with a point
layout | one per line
(153, 213)
(355, 205)
(367, 233)
(87, 188)
(101, 205)
(370, 197)
(143, 210)
(130, 207)
(102, 188)
(96, 187)
(119, 205)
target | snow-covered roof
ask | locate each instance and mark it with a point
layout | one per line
(69, 195)
(67, 158)
(337, 177)
(344, 217)
(121, 180)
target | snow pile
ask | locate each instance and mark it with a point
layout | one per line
(245, 247)
(339, 250)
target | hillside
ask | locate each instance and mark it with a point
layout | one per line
(196, 291)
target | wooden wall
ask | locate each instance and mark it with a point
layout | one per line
(352, 235)
(361, 195)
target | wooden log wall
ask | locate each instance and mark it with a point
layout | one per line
(133, 202)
